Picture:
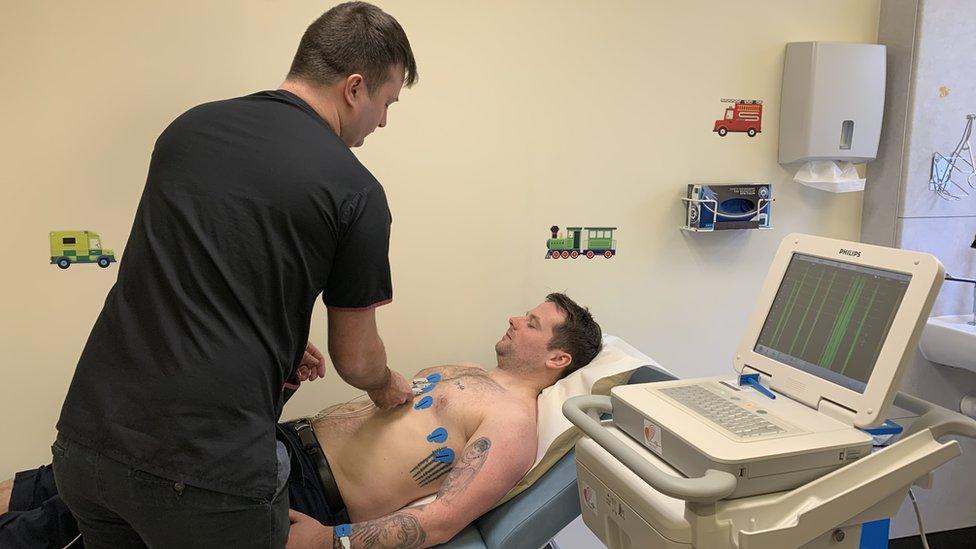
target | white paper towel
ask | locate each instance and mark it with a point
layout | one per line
(828, 175)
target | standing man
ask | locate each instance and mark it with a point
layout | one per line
(252, 208)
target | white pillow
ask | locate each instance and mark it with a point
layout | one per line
(615, 357)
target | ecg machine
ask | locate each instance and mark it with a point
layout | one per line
(780, 452)
(829, 337)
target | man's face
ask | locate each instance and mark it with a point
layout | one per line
(368, 110)
(524, 345)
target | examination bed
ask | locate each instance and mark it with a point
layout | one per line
(532, 517)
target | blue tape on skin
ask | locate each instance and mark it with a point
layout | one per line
(428, 388)
(444, 455)
(438, 435)
(343, 530)
(434, 378)
(423, 403)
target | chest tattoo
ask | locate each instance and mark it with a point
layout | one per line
(433, 467)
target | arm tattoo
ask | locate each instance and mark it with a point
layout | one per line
(400, 530)
(471, 462)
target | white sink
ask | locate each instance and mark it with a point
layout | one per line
(950, 340)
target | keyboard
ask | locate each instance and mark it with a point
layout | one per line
(721, 411)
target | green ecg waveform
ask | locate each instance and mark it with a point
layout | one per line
(835, 318)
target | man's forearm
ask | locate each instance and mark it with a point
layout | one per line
(357, 350)
(366, 370)
(400, 530)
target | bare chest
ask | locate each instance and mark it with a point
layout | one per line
(461, 397)
(403, 454)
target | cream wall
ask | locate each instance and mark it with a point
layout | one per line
(528, 114)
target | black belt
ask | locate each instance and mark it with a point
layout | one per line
(333, 497)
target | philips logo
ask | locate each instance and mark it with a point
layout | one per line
(852, 253)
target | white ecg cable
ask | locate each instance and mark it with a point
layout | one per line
(72, 542)
(417, 386)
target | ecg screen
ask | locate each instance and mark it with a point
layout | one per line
(831, 318)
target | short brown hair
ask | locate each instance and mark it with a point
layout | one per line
(579, 335)
(354, 37)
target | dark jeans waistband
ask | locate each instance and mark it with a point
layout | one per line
(312, 489)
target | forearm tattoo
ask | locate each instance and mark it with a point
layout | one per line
(401, 530)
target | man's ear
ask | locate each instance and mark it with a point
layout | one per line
(353, 88)
(558, 359)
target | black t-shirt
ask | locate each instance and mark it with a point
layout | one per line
(252, 208)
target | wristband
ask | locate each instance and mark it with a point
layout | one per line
(342, 532)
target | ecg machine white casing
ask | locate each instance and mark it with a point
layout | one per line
(762, 466)
(821, 420)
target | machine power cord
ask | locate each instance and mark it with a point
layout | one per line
(918, 516)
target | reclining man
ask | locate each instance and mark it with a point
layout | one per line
(469, 437)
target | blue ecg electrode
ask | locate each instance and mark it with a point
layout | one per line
(444, 455)
(438, 435)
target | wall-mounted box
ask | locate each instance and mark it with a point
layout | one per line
(718, 207)
(832, 102)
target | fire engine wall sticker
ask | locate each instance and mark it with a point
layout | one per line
(581, 241)
(743, 115)
(69, 247)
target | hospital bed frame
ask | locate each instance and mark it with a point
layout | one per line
(532, 518)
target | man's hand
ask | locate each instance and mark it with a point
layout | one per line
(312, 365)
(307, 533)
(396, 392)
(6, 489)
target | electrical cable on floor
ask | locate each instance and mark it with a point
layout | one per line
(918, 516)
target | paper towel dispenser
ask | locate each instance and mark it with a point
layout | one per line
(832, 102)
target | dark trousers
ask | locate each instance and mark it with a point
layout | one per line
(118, 507)
(37, 517)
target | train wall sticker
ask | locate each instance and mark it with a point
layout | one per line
(586, 241)
(69, 247)
(744, 115)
